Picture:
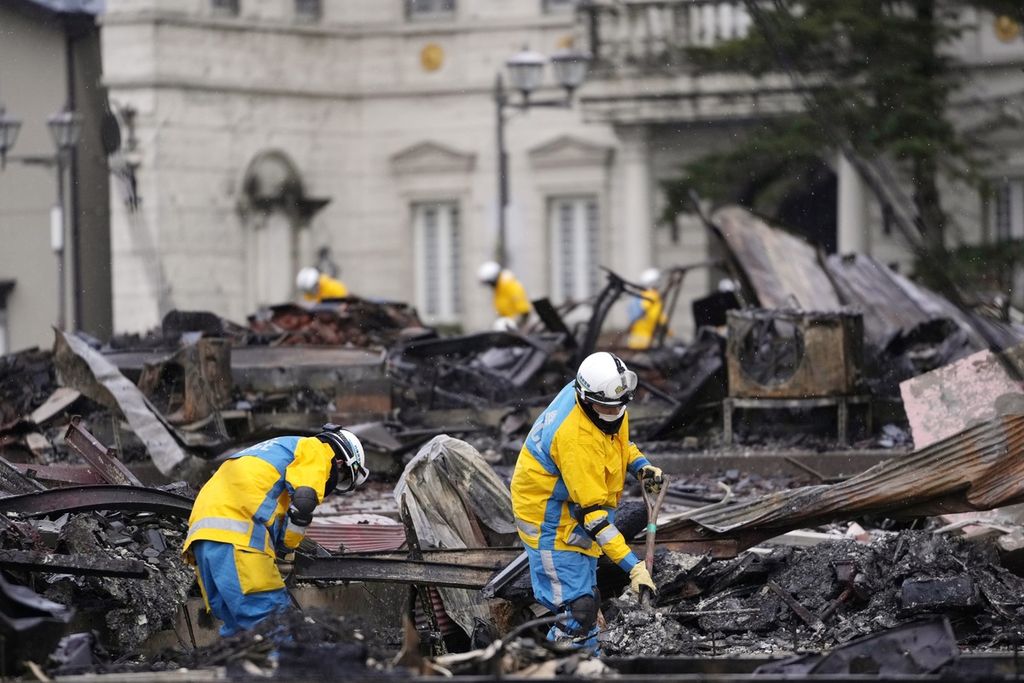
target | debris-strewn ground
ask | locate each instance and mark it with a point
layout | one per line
(126, 611)
(309, 645)
(733, 607)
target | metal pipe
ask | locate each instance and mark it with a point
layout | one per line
(500, 100)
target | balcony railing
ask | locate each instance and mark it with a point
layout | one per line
(653, 35)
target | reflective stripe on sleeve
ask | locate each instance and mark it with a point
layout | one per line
(527, 528)
(607, 534)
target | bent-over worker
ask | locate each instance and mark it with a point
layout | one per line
(317, 286)
(567, 483)
(510, 300)
(256, 506)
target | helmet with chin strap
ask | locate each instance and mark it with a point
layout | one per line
(650, 277)
(349, 466)
(604, 379)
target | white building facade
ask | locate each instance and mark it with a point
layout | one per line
(265, 130)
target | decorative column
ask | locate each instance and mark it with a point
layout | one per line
(634, 224)
(854, 231)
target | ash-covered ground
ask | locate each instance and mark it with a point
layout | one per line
(733, 609)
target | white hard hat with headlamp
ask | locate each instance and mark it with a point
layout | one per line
(605, 380)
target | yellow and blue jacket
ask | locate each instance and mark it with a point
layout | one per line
(569, 479)
(645, 314)
(510, 300)
(245, 502)
(328, 288)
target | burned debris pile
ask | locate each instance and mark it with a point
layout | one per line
(820, 597)
(349, 322)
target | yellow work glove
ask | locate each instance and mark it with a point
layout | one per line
(639, 576)
(652, 478)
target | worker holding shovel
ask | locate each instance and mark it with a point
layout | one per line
(567, 483)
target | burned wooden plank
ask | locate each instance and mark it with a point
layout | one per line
(108, 467)
(80, 565)
(342, 568)
(805, 615)
(484, 558)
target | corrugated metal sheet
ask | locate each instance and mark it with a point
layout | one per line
(371, 535)
(780, 267)
(892, 304)
(979, 469)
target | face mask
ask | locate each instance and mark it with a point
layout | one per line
(612, 418)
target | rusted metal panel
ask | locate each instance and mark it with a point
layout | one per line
(978, 469)
(794, 354)
(80, 565)
(108, 467)
(782, 268)
(89, 498)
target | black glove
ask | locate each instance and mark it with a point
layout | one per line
(300, 512)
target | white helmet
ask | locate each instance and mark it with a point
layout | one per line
(603, 378)
(488, 272)
(349, 458)
(307, 280)
(650, 277)
(504, 324)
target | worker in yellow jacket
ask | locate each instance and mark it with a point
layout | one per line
(256, 507)
(646, 312)
(510, 300)
(317, 286)
(567, 483)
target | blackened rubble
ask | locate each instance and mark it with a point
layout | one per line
(732, 609)
(308, 645)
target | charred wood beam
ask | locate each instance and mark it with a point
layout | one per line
(112, 470)
(90, 498)
(441, 574)
(80, 565)
(64, 474)
(14, 482)
(490, 558)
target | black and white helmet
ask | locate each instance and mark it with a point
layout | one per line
(603, 378)
(349, 458)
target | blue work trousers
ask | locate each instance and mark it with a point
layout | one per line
(558, 577)
(221, 586)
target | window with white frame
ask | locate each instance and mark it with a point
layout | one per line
(574, 226)
(1006, 210)
(430, 9)
(437, 245)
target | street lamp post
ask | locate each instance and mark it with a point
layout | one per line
(65, 128)
(526, 72)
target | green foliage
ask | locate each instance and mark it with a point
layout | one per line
(976, 267)
(878, 78)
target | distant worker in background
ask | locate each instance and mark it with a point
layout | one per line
(256, 507)
(316, 286)
(566, 486)
(510, 300)
(646, 312)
